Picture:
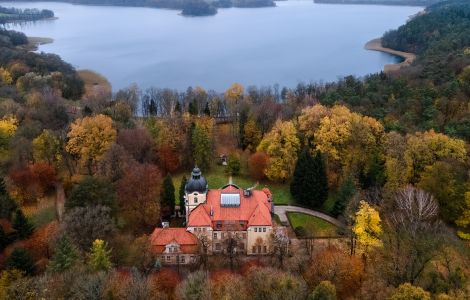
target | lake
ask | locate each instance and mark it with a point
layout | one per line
(298, 41)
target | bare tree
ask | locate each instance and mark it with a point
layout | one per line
(416, 210)
(280, 244)
(231, 245)
(204, 246)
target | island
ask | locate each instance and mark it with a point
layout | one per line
(187, 7)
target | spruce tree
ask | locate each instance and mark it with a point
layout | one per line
(22, 226)
(65, 255)
(345, 192)
(309, 184)
(168, 195)
(20, 259)
(7, 205)
(182, 193)
(4, 239)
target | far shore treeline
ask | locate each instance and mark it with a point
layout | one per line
(19, 15)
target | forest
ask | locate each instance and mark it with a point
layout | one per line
(88, 174)
(22, 15)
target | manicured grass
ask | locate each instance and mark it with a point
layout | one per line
(330, 202)
(313, 226)
(217, 178)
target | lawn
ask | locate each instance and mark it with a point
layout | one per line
(216, 178)
(313, 226)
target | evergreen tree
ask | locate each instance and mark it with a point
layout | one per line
(345, 192)
(325, 290)
(99, 257)
(7, 205)
(4, 239)
(65, 255)
(178, 107)
(309, 185)
(22, 226)
(192, 109)
(20, 259)
(182, 193)
(207, 110)
(168, 196)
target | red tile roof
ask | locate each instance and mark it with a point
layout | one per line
(164, 236)
(254, 209)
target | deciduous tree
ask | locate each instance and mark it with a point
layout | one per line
(367, 227)
(281, 145)
(258, 165)
(100, 257)
(138, 196)
(89, 138)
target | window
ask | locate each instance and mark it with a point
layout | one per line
(265, 249)
(222, 235)
(182, 259)
(259, 249)
(215, 235)
(217, 247)
(195, 199)
(204, 229)
(264, 229)
(218, 224)
(168, 258)
(256, 229)
(254, 249)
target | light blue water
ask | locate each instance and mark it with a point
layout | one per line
(298, 41)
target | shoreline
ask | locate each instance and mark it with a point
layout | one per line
(376, 45)
(34, 42)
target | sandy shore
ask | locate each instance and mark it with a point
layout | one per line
(34, 42)
(376, 45)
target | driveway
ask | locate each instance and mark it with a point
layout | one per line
(281, 211)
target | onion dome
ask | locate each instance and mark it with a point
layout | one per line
(197, 182)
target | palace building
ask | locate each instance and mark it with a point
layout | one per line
(241, 217)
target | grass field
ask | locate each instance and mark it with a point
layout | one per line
(314, 227)
(216, 178)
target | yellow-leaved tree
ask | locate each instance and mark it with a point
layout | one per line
(464, 220)
(46, 147)
(90, 138)
(424, 149)
(367, 227)
(281, 145)
(233, 95)
(350, 141)
(8, 127)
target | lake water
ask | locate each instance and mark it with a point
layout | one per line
(298, 41)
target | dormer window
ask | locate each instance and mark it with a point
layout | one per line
(195, 199)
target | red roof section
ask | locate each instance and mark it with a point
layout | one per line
(164, 236)
(255, 210)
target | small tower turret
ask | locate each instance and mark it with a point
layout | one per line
(195, 191)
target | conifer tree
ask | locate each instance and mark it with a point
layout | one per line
(22, 226)
(20, 259)
(7, 205)
(99, 257)
(309, 185)
(65, 255)
(168, 195)
(4, 239)
(345, 193)
(182, 193)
